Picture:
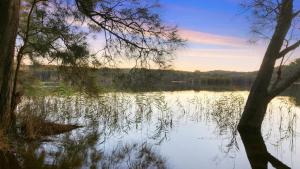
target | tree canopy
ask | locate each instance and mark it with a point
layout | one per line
(59, 30)
(278, 22)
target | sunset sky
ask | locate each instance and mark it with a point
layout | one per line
(217, 32)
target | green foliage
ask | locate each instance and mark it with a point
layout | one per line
(132, 29)
(57, 32)
(46, 31)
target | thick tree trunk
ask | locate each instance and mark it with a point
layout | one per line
(259, 97)
(9, 12)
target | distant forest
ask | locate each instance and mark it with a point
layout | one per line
(140, 79)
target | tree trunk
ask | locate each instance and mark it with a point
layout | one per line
(9, 12)
(259, 97)
(15, 96)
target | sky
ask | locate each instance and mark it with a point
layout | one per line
(217, 34)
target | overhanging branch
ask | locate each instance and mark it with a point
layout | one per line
(288, 49)
(296, 13)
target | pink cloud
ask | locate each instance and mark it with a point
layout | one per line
(211, 39)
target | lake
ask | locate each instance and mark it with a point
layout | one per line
(177, 130)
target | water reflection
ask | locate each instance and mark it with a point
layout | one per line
(127, 156)
(155, 130)
(257, 152)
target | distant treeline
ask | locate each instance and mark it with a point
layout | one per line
(145, 79)
(180, 80)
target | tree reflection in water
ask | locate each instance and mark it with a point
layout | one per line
(81, 154)
(114, 116)
(257, 152)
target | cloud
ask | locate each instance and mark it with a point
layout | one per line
(218, 59)
(211, 39)
(221, 53)
(246, 58)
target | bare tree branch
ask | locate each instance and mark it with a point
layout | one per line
(296, 13)
(284, 84)
(288, 49)
(131, 30)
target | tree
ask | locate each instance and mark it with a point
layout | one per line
(9, 12)
(131, 29)
(54, 30)
(45, 34)
(281, 17)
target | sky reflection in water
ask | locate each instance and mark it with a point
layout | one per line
(158, 130)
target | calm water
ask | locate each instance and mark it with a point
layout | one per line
(180, 130)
